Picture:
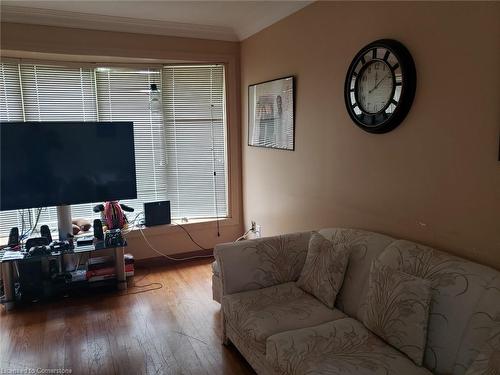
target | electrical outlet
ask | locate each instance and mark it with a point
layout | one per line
(258, 231)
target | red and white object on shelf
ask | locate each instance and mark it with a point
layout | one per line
(103, 268)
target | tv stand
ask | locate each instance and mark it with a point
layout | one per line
(10, 260)
(64, 222)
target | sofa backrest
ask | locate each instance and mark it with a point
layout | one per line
(267, 261)
(464, 318)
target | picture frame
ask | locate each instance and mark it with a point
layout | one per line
(271, 114)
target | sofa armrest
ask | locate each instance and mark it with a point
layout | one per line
(261, 262)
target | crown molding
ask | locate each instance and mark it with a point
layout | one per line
(36, 16)
(265, 20)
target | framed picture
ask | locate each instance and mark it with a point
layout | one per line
(271, 114)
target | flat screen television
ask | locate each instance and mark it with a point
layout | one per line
(62, 163)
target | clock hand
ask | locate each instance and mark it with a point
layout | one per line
(378, 84)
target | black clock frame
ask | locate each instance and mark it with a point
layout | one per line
(380, 122)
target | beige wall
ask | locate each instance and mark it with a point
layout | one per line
(85, 45)
(435, 179)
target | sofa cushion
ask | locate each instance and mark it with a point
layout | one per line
(342, 346)
(260, 313)
(481, 343)
(461, 290)
(397, 309)
(324, 269)
(364, 247)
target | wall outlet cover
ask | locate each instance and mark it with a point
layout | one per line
(258, 231)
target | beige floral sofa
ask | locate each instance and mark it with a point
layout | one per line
(280, 329)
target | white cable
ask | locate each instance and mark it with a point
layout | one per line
(169, 257)
(243, 236)
(159, 252)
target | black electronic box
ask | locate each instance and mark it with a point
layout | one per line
(157, 213)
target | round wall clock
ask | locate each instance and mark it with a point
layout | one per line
(380, 86)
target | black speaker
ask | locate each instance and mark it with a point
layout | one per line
(157, 213)
(13, 237)
(98, 233)
(45, 232)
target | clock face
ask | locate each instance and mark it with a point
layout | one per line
(375, 87)
(380, 86)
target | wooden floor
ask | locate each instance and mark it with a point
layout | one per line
(172, 330)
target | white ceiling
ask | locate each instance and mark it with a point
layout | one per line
(221, 20)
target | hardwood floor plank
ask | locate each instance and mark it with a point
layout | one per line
(172, 330)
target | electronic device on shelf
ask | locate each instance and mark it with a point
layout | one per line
(114, 238)
(98, 232)
(13, 237)
(36, 242)
(42, 250)
(157, 213)
(78, 275)
(61, 246)
(45, 232)
(85, 241)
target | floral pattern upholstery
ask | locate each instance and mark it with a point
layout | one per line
(397, 309)
(263, 262)
(258, 314)
(465, 307)
(254, 357)
(482, 341)
(458, 286)
(343, 346)
(323, 272)
(364, 247)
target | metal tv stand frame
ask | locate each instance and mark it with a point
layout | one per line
(8, 262)
(64, 223)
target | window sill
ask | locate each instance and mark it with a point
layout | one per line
(159, 230)
(192, 225)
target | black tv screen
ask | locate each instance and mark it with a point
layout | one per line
(60, 163)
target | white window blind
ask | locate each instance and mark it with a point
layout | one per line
(194, 115)
(126, 95)
(56, 93)
(11, 109)
(179, 134)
